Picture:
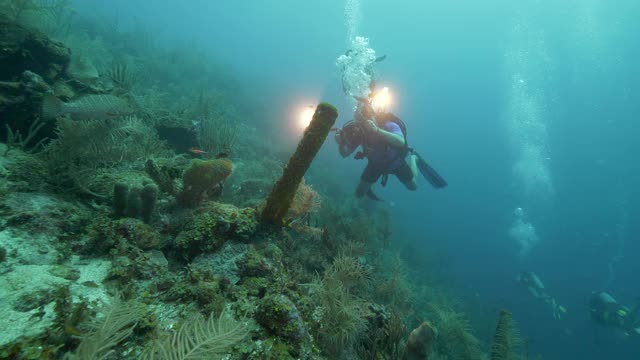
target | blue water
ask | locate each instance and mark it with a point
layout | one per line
(461, 72)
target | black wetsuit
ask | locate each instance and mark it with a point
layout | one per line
(382, 157)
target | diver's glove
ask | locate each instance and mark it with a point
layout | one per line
(371, 127)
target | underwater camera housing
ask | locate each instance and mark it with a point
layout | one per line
(349, 133)
(352, 131)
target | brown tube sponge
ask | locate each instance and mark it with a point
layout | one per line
(284, 189)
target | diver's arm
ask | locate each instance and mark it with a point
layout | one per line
(389, 137)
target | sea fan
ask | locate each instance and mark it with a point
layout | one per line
(199, 339)
(106, 332)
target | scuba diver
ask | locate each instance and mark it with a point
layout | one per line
(383, 138)
(607, 312)
(532, 282)
(382, 135)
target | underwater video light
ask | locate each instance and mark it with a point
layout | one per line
(306, 114)
(381, 100)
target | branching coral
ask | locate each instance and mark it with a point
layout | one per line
(16, 140)
(152, 104)
(216, 124)
(393, 287)
(455, 339)
(83, 147)
(340, 314)
(350, 273)
(99, 143)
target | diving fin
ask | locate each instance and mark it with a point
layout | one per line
(429, 173)
(371, 195)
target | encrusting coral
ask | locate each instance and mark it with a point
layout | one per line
(212, 225)
(280, 315)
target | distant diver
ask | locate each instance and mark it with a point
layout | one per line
(383, 138)
(606, 311)
(532, 282)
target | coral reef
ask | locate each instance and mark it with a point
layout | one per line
(27, 49)
(212, 225)
(132, 249)
(284, 190)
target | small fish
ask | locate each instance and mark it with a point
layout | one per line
(86, 107)
(197, 151)
(91, 284)
(71, 330)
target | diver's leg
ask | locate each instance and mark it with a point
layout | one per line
(412, 185)
(363, 188)
(407, 174)
(369, 176)
(413, 165)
